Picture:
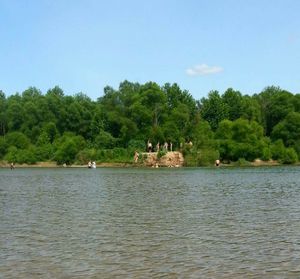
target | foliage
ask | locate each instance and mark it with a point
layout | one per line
(17, 139)
(240, 139)
(201, 157)
(213, 109)
(289, 156)
(288, 129)
(54, 126)
(161, 153)
(3, 147)
(242, 162)
(278, 150)
(136, 144)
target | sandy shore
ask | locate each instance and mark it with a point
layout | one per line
(256, 163)
(54, 165)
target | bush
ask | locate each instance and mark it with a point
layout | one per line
(18, 140)
(242, 162)
(137, 145)
(21, 156)
(11, 155)
(120, 155)
(161, 153)
(191, 160)
(289, 157)
(208, 157)
(266, 154)
(105, 140)
(44, 152)
(86, 155)
(277, 150)
(202, 157)
(66, 153)
(26, 156)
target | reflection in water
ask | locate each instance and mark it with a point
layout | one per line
(150, 223)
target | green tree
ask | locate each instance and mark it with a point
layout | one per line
(14, 113)
(213, 109)
(67, 148)
(288, 129)
(154, 99)
(203, 135)
(290, 156)
(66, 152)
(234, 101)
(275, 105)
(17, 139)
(240, 139)
(251, 109)
(105, 140)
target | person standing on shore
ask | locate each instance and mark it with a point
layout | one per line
(166, 147)
(12, 166)
(157, 147)
(149, 146)
(136, 156)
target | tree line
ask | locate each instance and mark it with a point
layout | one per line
(229, 126)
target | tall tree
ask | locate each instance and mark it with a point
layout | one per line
(234, 102)
(213, 109)
(275, 105)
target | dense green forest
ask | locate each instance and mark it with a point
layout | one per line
(230, 126)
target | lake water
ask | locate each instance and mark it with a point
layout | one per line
(150, 223)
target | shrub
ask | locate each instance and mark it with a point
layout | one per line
(161, 153)
(11, 155)
(26, 156)
(66, 152)
(290, 156)
(137, 145)
(105, 140)
(18, 140)
(120, 155)
(266, 154)
(278, 150)
(242, 162)
(208, 157)
(202, 157)
(86, 155)
(44, 152)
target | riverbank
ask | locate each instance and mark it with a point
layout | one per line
(54, 165)
(256, 163)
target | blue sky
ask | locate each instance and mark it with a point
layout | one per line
(82, 46)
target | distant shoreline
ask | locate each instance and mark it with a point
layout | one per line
(54, 165)
(256, 163)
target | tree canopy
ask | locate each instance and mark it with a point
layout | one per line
(55, 126)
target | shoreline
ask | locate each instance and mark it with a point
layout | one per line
(256, 163)
(54, 165)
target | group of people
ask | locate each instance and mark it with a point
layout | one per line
(91, 165)
(166, 147)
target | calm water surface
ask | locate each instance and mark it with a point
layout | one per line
(150, 223)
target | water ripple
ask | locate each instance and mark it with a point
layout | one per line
(141, 223)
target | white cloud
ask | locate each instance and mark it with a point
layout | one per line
(203, 69)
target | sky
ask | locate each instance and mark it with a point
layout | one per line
(83, 46)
